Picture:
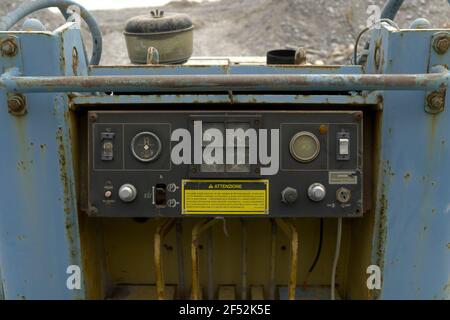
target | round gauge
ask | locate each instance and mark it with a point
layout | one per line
(146, 146)
(304, 146)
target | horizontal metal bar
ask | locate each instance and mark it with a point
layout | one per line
(216, 83)
(317, 99)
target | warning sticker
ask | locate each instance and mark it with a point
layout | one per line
(225, 197)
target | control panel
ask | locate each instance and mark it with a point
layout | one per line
(222, 163)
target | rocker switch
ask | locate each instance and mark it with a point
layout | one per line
(107, 143)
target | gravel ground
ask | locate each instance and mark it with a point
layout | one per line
(251, 27)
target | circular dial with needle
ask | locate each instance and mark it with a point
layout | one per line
(146, 146)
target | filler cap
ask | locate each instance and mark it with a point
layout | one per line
(158, 21)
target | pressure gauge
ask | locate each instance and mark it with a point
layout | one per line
(146, 146)
(304, 146)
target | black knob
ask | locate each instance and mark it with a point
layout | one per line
(289, 195)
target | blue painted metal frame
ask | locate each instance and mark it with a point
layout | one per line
(412, 242)
(39, 234)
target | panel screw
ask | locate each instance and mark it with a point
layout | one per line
(357, 115)
(436, 101)
(92, 211)
(17, 104)
(93, 116)
(441, 43)
(8, 47)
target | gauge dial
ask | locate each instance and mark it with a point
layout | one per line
(304, 146)
(146, 146)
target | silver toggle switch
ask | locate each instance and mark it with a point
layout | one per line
(316, 192)
(344, 146)
(127, 192)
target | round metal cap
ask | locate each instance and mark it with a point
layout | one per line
(158, 22)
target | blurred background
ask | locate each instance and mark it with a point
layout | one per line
(327, 29)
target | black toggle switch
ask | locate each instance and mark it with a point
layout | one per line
(160, 194)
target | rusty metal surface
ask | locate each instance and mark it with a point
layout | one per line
(198, 229)
(291, 232)
(412, 203)
(39, 234)
(125, 101)
(161, 231)
(273, 257)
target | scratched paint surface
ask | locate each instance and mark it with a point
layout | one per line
(414, 191)
(38, 225)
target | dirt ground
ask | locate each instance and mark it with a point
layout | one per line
(327, 29)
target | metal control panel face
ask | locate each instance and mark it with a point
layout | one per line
(174, 163)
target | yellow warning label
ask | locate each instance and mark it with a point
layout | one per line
(225, 197)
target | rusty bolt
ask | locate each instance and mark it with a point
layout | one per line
(17, 104)
(436, 101)
(441, 43)
(8, 47)
(92, 211)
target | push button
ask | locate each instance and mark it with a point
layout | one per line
(127, 192)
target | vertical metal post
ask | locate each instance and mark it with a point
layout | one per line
(273, 253)
(198, 229)
(210, 265)
(180, 255)
(244, 259)
(161, 232)
(289, 229)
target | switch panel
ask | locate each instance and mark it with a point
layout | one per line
(139, 165)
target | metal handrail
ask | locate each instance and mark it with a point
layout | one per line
(216, 83)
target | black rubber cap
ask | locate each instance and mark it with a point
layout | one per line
(282, 56)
